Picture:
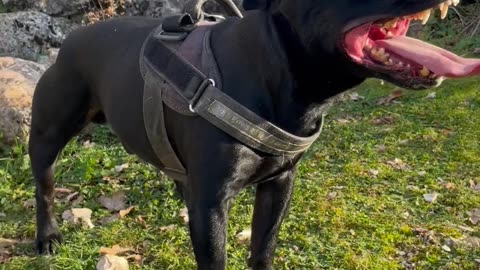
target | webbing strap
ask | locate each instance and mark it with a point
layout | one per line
(219, 109)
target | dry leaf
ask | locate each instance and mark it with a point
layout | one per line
(381, 148)
(114, 250)
(135, 257)
(385, 120)
(397, 93)
(5, 243)
(168, 228)
(474, 186)
(63, 190)
(422, 173)
(432, 95)
(465, 228)
(3, 215)
(471, 242)
(397, 164)
(30, 203)
(5, 256)
(243, 236)
(450, 186)
(114, 203)
(71, 196)
(343, 121)
(332, 195)
(140, 221)
(474, 216)
(183, 214)
(76, 202)
(110, 262)
(406, 215)
(373, 173)
(125, 212)
(109, 219)
(122, 167)
(77, 215)
(446, 248)
(431, 197)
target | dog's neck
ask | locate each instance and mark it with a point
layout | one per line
(280, 81)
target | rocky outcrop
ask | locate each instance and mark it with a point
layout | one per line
(27, 34)
(17, 82)
(51, 7)
(153, 8)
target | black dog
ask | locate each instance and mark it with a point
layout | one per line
(282, 61)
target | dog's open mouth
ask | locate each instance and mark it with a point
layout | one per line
(382, 46)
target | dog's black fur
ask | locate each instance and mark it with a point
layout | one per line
(282, 61)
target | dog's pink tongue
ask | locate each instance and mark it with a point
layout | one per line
(438, 60)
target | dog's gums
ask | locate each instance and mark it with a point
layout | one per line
(383, 47)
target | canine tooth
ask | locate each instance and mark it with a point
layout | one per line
(444, 10)
(400, 64)
(381, 51)
(426, 16)
(424, 72)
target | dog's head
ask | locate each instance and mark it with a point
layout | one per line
(371, 35)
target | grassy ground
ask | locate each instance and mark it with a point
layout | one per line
(342, 216)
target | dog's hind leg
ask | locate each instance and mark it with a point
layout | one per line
(271, 204)
(59, 110)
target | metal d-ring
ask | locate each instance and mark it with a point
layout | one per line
(199, 93)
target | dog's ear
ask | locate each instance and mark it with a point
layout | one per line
(256, 4)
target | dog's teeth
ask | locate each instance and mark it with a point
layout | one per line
(426, 15)
(381, 51)
(400, 64)
(444, 9)
(424, 72)
(391, 24)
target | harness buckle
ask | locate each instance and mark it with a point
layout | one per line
(201, 89)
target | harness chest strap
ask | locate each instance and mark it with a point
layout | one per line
(221, 110)
(209, 102)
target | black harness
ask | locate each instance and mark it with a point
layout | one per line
(180, 71)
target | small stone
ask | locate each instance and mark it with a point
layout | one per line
(446, 248)
(431, 197)
(111, 262)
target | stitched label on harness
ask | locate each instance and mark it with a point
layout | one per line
(249, 129)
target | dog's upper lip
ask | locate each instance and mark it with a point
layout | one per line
(396, 12)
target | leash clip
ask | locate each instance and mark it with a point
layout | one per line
(201, 89)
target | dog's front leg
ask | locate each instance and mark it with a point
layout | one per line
(208, 209)
(271, 204)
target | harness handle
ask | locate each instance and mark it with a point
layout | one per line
(194, 8)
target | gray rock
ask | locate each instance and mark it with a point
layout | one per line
(27, 34)
(17, 82)
(152, 8)
(50, 7)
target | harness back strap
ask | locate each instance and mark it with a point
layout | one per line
(212, 104)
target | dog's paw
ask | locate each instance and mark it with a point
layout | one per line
(45, 244)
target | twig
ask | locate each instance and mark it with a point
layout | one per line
(476, 27)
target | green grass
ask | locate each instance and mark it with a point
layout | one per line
(363, 227)
(3, 8)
